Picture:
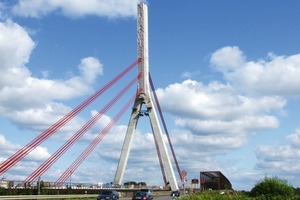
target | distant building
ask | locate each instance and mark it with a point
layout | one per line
(214, 180)
(6, 184)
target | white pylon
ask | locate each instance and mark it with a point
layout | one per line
(144, 98)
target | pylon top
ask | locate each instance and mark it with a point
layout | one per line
(143, 55)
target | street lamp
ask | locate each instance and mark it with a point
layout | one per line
(71, 179)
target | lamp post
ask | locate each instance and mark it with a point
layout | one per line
(39, 185)
(71, 179)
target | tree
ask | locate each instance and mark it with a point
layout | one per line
(130, 183)
(142, 184)
(272, 187)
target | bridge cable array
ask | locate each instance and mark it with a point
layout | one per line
(92, 145)
(54, 157)
(16, 157)
(12, 160)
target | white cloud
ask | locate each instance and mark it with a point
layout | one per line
(31, 102)
(18, 88)
(90, 68)
(237, 127)
(39, 153)
(7, 149)
(280, 160)
(277, 75)
(227, 59)
(78, 8)
(218, 109)
(15, 49)
(295, 138)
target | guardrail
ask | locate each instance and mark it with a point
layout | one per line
(48, 196)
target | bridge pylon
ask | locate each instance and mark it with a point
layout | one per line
(144, 99)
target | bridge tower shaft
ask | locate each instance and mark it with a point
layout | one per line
(144, 98)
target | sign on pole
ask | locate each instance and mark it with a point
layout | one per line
(183, 175)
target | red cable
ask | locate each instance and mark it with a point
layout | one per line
(16, 157)
(164, 124)
(92, 145)
(160, 159)
(53, 158)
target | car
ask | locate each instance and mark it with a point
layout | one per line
(175, 193)
(149, 191)
(142, 195)
(108, 195)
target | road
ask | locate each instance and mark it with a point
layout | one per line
(163, 198)
(155, 198)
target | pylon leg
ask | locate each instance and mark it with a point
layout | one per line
(162, 147)
(128, 141)
(135, 114)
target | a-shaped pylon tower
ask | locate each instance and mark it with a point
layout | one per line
(144, 98)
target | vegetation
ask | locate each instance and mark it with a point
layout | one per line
(135, 184)
(272, 187)
(266, 189)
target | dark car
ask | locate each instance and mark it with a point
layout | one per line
(149, 191)
(175, 193)
(108, 195)
(141, 195)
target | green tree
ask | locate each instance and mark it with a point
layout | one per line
(142, 184)
(130, 183)
(272, 187)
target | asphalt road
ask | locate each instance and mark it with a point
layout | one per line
(163, 198)
(155, 198)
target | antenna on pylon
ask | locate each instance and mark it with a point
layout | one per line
(144, 98)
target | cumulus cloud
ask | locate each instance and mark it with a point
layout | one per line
(15, 49)
(18, 88)
(276, 75)
(78, 8)
(280, 160)
(30, 102)
(213, 101)
(227, 59)
(6, 147)
(215, 118)
(217, 109)
(37, 155)
(90, 68)
(294, 138)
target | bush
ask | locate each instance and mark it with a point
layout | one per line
(270, 188)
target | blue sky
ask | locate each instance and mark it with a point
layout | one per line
(226, 73)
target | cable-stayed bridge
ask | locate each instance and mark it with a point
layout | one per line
(145, 103)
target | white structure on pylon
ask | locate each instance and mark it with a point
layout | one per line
(144, 98)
